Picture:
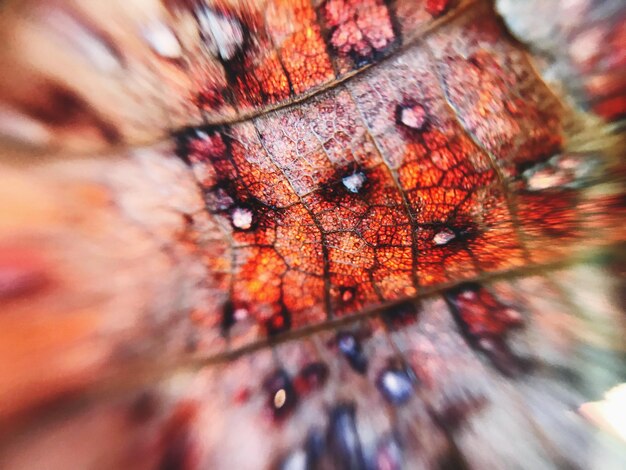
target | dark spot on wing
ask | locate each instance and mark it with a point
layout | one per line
(60, 107)
(282, 397)
(396, 384)
(311, 377)
(350, 346)
(278, 323)
(228, 318)
(400, 315)
(486, 323)
(343, 440)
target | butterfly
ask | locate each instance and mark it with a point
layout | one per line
(353, 234)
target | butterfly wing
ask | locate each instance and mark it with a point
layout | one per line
(305, 235)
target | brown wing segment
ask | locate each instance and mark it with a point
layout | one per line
(425, 398)
(185, 63)
(382, 187)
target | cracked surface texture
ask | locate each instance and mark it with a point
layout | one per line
(308, 234)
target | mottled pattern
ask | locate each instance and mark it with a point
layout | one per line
(187, 62)
(322, 234)
(438, 198)
(256, 412)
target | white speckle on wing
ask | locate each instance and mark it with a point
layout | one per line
(223, 35)
(162, 40)
(241, 218)
(354, 182)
